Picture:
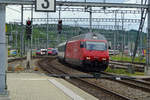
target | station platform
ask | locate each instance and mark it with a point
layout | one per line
(38, 86)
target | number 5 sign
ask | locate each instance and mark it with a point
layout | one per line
(45, 5)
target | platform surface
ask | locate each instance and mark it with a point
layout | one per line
(37, 86)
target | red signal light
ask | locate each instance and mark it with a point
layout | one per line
(28, 29)
(59, 28)
(28, 22)
(59, 21)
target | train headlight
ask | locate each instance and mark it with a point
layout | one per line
(88, 58)
(94, 37)
(103, 58)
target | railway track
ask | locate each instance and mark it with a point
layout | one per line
(98, 85)
(132, 82)
(107, 94)
(146, 79)
(23, 58)
(139, 67)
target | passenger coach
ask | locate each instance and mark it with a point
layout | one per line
(89, 51)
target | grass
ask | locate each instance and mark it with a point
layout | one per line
(123, 72)
(127, 58)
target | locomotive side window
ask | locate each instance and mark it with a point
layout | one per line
(92, 45)
(82, 44)
(61, 48)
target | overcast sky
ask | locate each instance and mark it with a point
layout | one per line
(13, 13)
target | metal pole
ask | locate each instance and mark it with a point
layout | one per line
(47, 33)
(36, 43)
(21, 35)
(58, 35)
(29, 53)
(141, 38)
(123, 40)
(39, 45)
(24, 46)
(147, 69)
(11, 34)
(75, 27)
(90, 19)
(16, 40)
(32, 28)
(115, 31)
(59, 12)
(2, 49)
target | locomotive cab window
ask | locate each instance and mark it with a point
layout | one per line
(93, 45)
(82, 44)
(61, 48)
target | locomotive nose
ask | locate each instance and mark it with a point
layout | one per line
(100, 58)
(104, 58)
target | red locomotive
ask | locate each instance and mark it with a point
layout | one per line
(89, 51)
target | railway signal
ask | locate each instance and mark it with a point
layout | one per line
(59, 28)
(28, 29)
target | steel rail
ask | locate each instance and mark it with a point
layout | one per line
(134, 83)
(119, 65)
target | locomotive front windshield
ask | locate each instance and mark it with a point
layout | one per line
(93, 45)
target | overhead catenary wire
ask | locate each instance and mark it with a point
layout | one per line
(14, 9)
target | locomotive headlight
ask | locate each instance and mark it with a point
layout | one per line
(103, 58)
(88, 58)
(94, 37)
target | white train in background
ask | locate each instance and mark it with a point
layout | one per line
(113, 52)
